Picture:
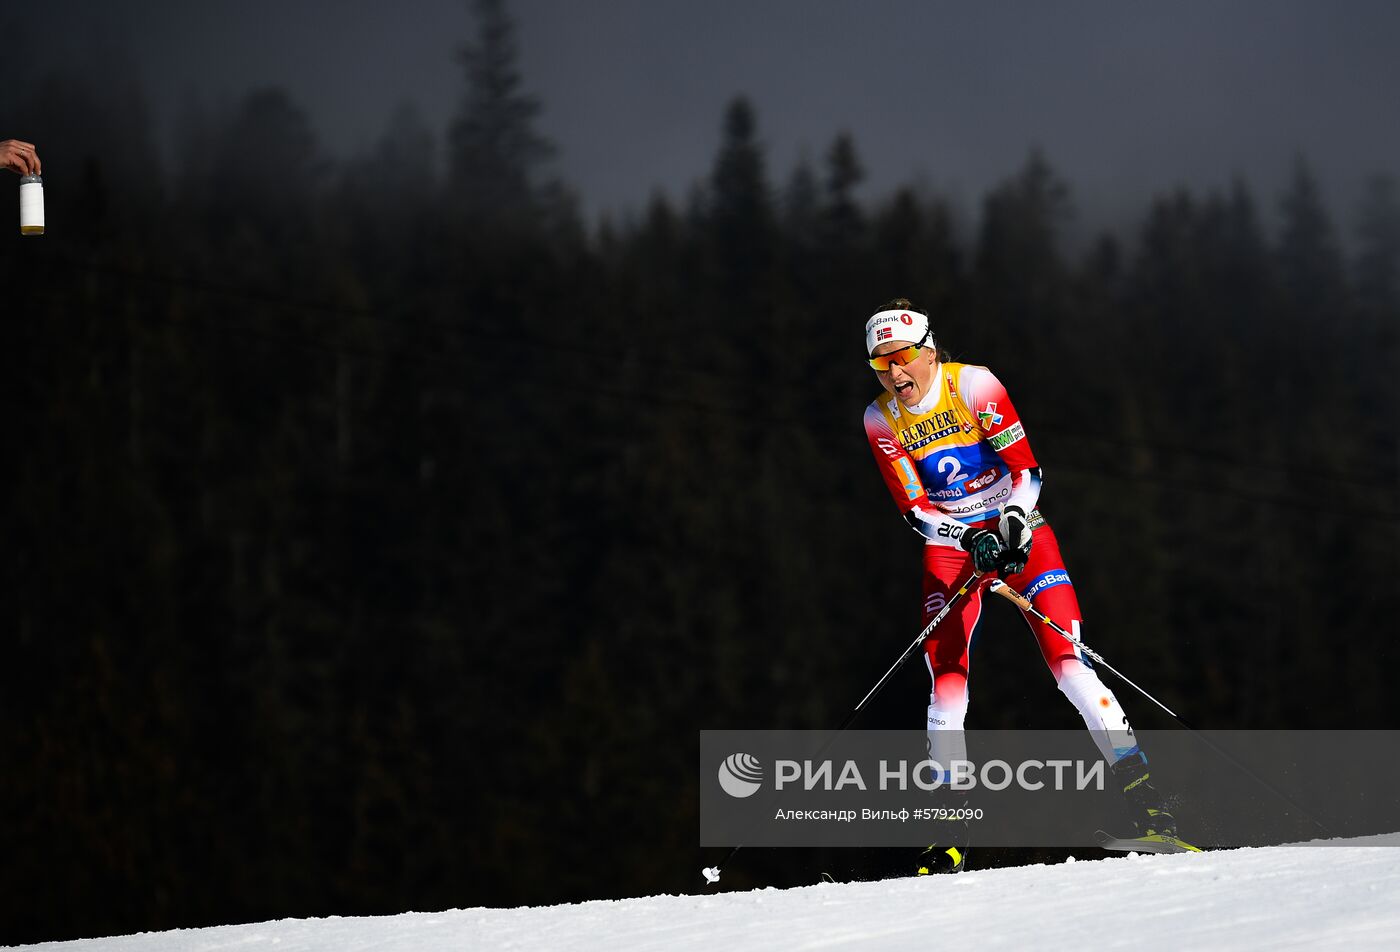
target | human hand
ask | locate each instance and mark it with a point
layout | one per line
(20, 157)
(985, 547)
(1016, 534)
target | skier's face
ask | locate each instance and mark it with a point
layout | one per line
(908, 382)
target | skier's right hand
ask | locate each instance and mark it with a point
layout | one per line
(985, 547)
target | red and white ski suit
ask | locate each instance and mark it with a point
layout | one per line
(952, 464)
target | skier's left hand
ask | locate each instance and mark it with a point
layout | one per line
(1017, 535)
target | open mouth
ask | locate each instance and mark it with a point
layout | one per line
(904, 389)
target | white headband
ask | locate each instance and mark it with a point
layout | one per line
(885, 326)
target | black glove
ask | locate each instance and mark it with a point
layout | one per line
(1016, 534)
(986, 548)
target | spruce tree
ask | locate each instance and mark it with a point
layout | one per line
(495, 151)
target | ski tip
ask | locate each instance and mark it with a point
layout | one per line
(1185, 846)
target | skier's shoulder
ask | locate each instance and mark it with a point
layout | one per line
(879, 418)
(970, 373)
(970, 380)
(880, 407)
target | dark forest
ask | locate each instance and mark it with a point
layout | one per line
(381, 533)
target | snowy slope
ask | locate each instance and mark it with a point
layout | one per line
(1275, 898)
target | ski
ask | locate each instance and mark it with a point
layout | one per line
(1156, 843)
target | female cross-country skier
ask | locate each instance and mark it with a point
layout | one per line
(956, 459)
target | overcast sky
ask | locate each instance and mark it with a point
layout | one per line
(1126, 98)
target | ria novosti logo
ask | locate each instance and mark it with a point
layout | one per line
(740, 775)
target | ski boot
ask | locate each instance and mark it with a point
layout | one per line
(941, 859)
(1150, 815)
(949, 856)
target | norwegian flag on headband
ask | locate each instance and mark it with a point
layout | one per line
(884, 333)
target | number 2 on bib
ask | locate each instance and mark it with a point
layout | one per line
(954, 469)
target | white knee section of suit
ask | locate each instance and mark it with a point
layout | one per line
(948, 718)
(1101, 712)
(947, 744)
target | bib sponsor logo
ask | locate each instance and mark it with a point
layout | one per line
(1012, 434)
(977, 505)
(932, 438)
(983, 481)
(932, 427)
(912, 487)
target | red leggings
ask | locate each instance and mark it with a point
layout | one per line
(1044, 580)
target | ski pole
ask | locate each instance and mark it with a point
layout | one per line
(1024, 603)
(711, 873)
(914, 645)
